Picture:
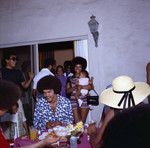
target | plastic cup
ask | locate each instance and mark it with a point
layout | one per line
(33, 133)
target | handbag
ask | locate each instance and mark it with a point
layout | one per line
(93, 100)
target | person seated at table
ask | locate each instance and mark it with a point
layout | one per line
(9, 126)
(23, 129)
(123, 94)
(128, 129)
(52, 109)
(6, 103)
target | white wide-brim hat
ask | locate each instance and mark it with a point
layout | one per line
(122, 85)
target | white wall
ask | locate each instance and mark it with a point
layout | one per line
(124, 41)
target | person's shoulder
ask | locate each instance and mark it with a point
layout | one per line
(70, 74)
(41, 101)
(64, 99)
(39, 74)
(14, 70)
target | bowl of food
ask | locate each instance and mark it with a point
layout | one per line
(60, 131)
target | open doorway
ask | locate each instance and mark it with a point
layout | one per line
(60, 51)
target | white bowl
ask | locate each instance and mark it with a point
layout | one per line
(60, 131)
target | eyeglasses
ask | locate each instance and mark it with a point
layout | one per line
(14, 59)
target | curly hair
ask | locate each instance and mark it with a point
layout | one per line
(9, 94)
(78, 60)
(49, 82)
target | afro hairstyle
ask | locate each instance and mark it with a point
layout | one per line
(78, 60)
(49, 82)
(9, 94)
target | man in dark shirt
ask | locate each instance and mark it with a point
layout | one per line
(14, 75)
(9, 73)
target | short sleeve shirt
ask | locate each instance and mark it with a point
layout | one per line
(44, 72)
(13, 75)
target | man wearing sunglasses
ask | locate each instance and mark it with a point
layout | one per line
(10, 73)
(14, 75)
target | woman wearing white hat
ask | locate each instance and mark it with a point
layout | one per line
(124, 94)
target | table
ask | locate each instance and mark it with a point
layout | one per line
(84, 142)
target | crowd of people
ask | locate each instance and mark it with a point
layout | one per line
(62, 96)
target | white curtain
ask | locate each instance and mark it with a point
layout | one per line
(81, 49)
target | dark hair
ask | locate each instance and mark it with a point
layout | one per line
(49, 61)
(78, 60)
(49, 82)
(10, 110)
(86, 73)
(7, 56)
(9, 94)
(66, 64)
(128, 129)
(59, 66)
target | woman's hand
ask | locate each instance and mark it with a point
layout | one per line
(31, 75)
(51, 141)
(52, 124)
(91, 129)
(91, 81)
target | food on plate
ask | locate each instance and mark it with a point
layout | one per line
(52, 124)
(52, 134)
(60, 131)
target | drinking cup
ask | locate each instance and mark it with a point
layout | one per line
(33, 133)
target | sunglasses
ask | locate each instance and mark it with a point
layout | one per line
(14, 59)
